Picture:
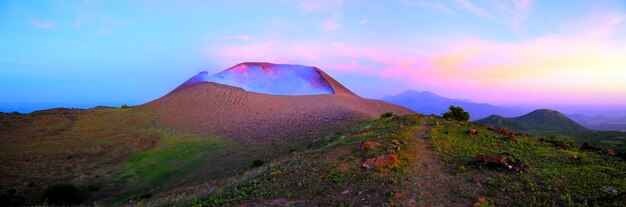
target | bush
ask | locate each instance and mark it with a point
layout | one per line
(386, 115)
(257, 163)
(62, 194)
(456, 113)
(125, 106)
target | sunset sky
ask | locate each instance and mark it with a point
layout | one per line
(500, 52)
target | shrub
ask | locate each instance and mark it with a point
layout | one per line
(386, 115)
(456, 113)
(125, 106)
(257, 163)
(62, 194)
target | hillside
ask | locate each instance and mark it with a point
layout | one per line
(201, 132)
(542, 121)
(430, 103)
(435, 166)
(550, 122)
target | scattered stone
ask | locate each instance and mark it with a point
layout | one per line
(610, 190)
(393, 149)
(278, 172)
(396, 142)
(461, 168)
(609, 152)
(562, 146)
(497, 161)
(359, 193)
(381, 161)
(345, 192)
(472, 131)
(480, 201)
(368, 145)
(511, 137)
(589, 147)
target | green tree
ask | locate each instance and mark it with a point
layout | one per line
(456, 113)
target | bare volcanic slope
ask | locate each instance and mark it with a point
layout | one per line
(279, 101)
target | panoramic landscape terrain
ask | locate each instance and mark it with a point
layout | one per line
(313, 103)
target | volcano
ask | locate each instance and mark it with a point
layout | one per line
(262, 101)
(274, 79)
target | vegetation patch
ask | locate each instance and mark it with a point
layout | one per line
(172, 157)
(554, 176)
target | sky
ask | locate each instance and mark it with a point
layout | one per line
(502, 52)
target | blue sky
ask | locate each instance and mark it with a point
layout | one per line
(501, 52)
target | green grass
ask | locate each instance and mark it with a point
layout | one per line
(172, 157)
(555, 176)
(328, 167)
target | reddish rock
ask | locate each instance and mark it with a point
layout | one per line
(562, 146)
(511, 137)
(497, 161)
(480, 201)
(589, 147)
(503, 131)
(396, 142)
(609, 152)
(490, 159)
(393, 149)
(368, 145)
(472, 131)
(278, 172)
(381, 162)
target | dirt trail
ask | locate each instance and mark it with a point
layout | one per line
(430, 181)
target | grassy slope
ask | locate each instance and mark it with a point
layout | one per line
(329, 173)
(555, 176)
(547, 122)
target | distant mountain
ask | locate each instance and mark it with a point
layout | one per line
(430, 103)
(542, 121)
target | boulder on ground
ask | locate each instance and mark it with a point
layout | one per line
(368, 145)
(381, 161)
(609, 152)
(511, 137)
(590, 147)
(498, 161)
(393, 149)
(472, 131)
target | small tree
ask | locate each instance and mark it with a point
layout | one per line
(124, 106)
(456, 113)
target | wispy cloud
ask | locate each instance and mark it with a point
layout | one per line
(474, 9)
(362, 21)
(43, 24)
(243, 38)
(330, 9)
(564, 65)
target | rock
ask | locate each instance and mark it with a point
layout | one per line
(461, 168)
(503, 131)
(278, 172)
(396, 142)
(368, 145)
(381, 161)
(511, 137)
(393, 149)
(589, 147)
(345, 192)
(610, 190)
(497, 161)
(480, 201)
(609, 152)
(562, 146)
(472, 131)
